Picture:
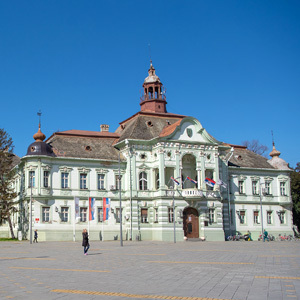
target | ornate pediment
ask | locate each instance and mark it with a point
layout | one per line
(190, 130)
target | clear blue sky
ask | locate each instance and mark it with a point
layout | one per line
(234, 65)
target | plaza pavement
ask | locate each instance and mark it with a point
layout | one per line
(150, 270)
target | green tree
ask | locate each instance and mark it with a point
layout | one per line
(295, 191)
(7, 194)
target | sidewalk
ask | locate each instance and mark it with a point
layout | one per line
(150, 270)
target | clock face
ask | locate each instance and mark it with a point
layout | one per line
(33, 149)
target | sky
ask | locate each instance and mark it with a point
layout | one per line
(233, 65)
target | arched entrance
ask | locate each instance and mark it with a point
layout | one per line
(191, 222)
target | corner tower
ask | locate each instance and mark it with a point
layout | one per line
(153, 98)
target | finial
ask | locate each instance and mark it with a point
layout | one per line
(39, 113)
(150, 54)
(272, 138)
(39, 136)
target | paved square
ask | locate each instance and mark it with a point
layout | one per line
(150, 270)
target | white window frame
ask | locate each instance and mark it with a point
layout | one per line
(143, 181)
(282, 188)
(256, 217)
(241, 186)
(65, 180)
(45, 214)
(100, 181)
(83, 181)
(31, 179)
(83, 212)
(269, 217)
(64, 212)
(170, 214)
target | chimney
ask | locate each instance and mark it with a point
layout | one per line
(104, 128)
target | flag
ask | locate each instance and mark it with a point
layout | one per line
(222, 183)
(174, 180)
(91, 208)
(210, 182)
(76, 207)
(192, 180)
(106, 208)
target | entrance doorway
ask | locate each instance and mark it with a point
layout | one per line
(191, 223)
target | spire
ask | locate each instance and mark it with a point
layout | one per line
(274, 152)
(39, 136)
(153, 98)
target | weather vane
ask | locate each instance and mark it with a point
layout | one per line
(39, 113)
(272, 138)
(150, 52)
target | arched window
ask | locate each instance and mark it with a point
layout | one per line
(143, 181)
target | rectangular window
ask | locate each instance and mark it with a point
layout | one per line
(144, 215)
(241, 187)
(269, 217)
(268, 188)
(281, 217)
(256, 217)
(31, 179)
(83, 181)
(171, 214)
(101, 181)
(46, 179)
(282, 189)
(83, 214)
(211, 215)
(155, 215)
(118, 215)
(118, 183)
(100, 214)
(64, 180)
(65, 214)
(254, 188)
(45, 214)
(242, 217)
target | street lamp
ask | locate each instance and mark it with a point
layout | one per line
(261, 193)
(130, 184)
(120, 197)
(30, 218)
(228, 188)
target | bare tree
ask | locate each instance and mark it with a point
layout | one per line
(7, 193)
(256, 147)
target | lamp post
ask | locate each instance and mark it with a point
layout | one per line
(174, 224)
(120, 197)
(30, 218)
(130, 185)
(261, 210)
(228, 189)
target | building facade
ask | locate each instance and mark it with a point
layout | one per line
(219, 188)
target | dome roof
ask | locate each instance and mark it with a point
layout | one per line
(39, 147)
(276, 161)
(152, 76)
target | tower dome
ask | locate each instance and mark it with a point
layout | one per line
(153, 98)
(39, 147)
(276, 161)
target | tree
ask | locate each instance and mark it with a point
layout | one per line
(7, 194)
(256, 147)
(295, 191)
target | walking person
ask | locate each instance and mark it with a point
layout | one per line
(266, 235)
(85, 241)
(35, 236)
